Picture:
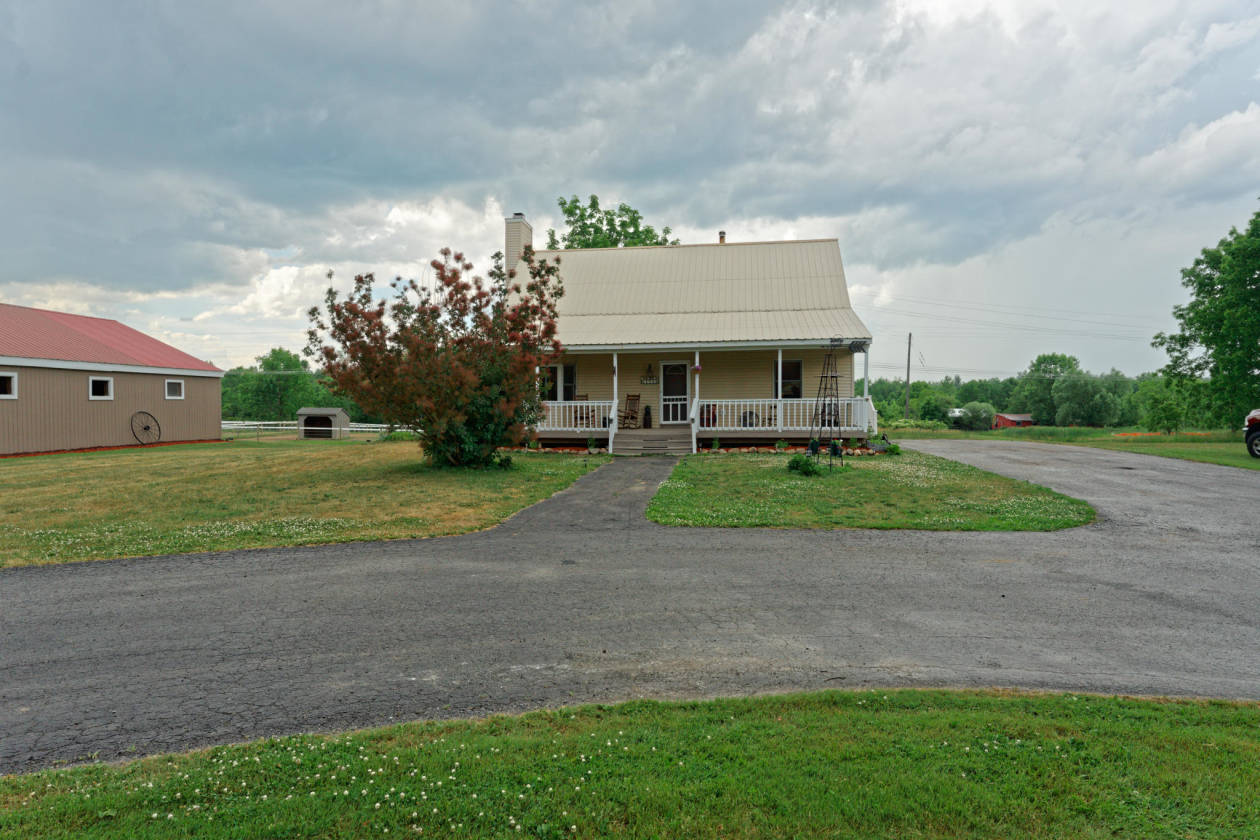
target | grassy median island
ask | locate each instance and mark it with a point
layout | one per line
(246, 494)
(911, 490)
(888, 763)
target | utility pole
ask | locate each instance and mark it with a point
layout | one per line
(907, 410)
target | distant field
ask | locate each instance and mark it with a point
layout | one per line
(911, 490)
(1214, 447)
(851, 764)
(252, 494)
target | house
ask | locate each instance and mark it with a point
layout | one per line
(1003, 421)
(692, 342)
(74, 382)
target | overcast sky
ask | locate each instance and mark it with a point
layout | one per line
(1005, 178)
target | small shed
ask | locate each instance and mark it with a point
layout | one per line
(1006, 420)
(326, 423)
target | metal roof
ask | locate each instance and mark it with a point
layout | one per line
(41, 334)
(748, 292)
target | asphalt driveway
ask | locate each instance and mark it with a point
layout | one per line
(580, 599)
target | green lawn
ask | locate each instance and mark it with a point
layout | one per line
(911, 490)
(1217, 447)
(886, 763)
(247, 494)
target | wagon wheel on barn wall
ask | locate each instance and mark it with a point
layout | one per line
(145, 427)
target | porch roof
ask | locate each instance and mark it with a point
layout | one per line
(733, 293)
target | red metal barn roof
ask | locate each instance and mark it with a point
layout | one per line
(43, 334)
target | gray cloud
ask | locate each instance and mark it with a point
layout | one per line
(246, 146)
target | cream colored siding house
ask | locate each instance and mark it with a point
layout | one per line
(703, 335)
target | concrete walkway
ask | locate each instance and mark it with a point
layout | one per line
(579, 598)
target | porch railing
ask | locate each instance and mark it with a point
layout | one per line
(770, 415)
(578, 416)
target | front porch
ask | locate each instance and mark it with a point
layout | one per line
(739, 395)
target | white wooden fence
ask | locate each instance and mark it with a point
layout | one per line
(258, 428)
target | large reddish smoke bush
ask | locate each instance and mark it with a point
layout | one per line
(457, 363)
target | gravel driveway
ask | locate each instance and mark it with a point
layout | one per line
(579, 598)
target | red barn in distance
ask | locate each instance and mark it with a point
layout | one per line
(1003, 421)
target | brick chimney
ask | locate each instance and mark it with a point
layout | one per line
(721, 237)
(517, 235)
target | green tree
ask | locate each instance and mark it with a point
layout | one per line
(1161, 406)
(933, 407)
(1083, 400)
(284, 384)
(591, 226)
(1034, 394)
(994, 391)
(888, 409)
(1219, 335)
(1124, 389)
(276, 387)
(977, 416)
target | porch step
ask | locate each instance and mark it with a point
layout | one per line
(665, 441)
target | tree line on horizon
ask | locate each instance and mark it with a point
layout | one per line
(1056, 392)
(278, 385)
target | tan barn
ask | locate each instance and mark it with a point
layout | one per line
(74, 382)
(722, 340)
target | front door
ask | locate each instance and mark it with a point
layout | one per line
(674, 385)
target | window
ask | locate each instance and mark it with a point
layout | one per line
(790, 388)
(8, 385)
(174, 389)
(100, 387)
(559, 382)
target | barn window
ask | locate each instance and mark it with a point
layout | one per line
(100, 387)
(8, 385)
(174, 389)
(790, 387)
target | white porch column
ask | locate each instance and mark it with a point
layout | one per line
(695, 398)
(778, 391)
(866, 384)
(546, 413)
(612, 422)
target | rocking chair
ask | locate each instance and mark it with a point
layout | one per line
(628, 417)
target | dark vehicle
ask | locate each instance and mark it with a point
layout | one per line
(1252, 428)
